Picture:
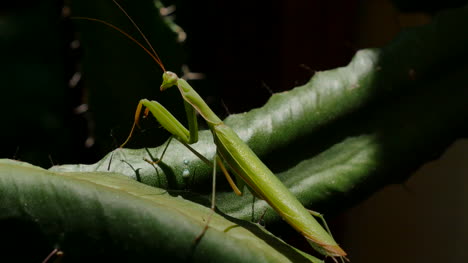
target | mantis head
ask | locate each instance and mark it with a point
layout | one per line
(169, 79)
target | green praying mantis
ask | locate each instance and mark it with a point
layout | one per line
(231, 150)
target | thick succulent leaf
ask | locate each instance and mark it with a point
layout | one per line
(90, 216)
(381, 151)
(343, 135)
(333, 141)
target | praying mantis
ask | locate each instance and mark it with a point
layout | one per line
(248, 169)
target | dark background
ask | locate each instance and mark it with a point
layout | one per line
(69, 88)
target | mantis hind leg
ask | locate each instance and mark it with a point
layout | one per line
(228, 177)
(213, 201)
(318, 215)
(217, 161)
(322, 218)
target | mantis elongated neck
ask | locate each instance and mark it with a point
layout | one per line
(192, 97)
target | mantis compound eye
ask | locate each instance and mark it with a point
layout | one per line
(169, 79)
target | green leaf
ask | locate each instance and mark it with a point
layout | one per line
(345, 134)
(89, 216)
(333, 142)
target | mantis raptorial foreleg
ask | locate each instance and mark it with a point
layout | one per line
(178, 130)
(168, 121)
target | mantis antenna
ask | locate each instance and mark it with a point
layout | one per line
(154, 55)
(142, 34)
